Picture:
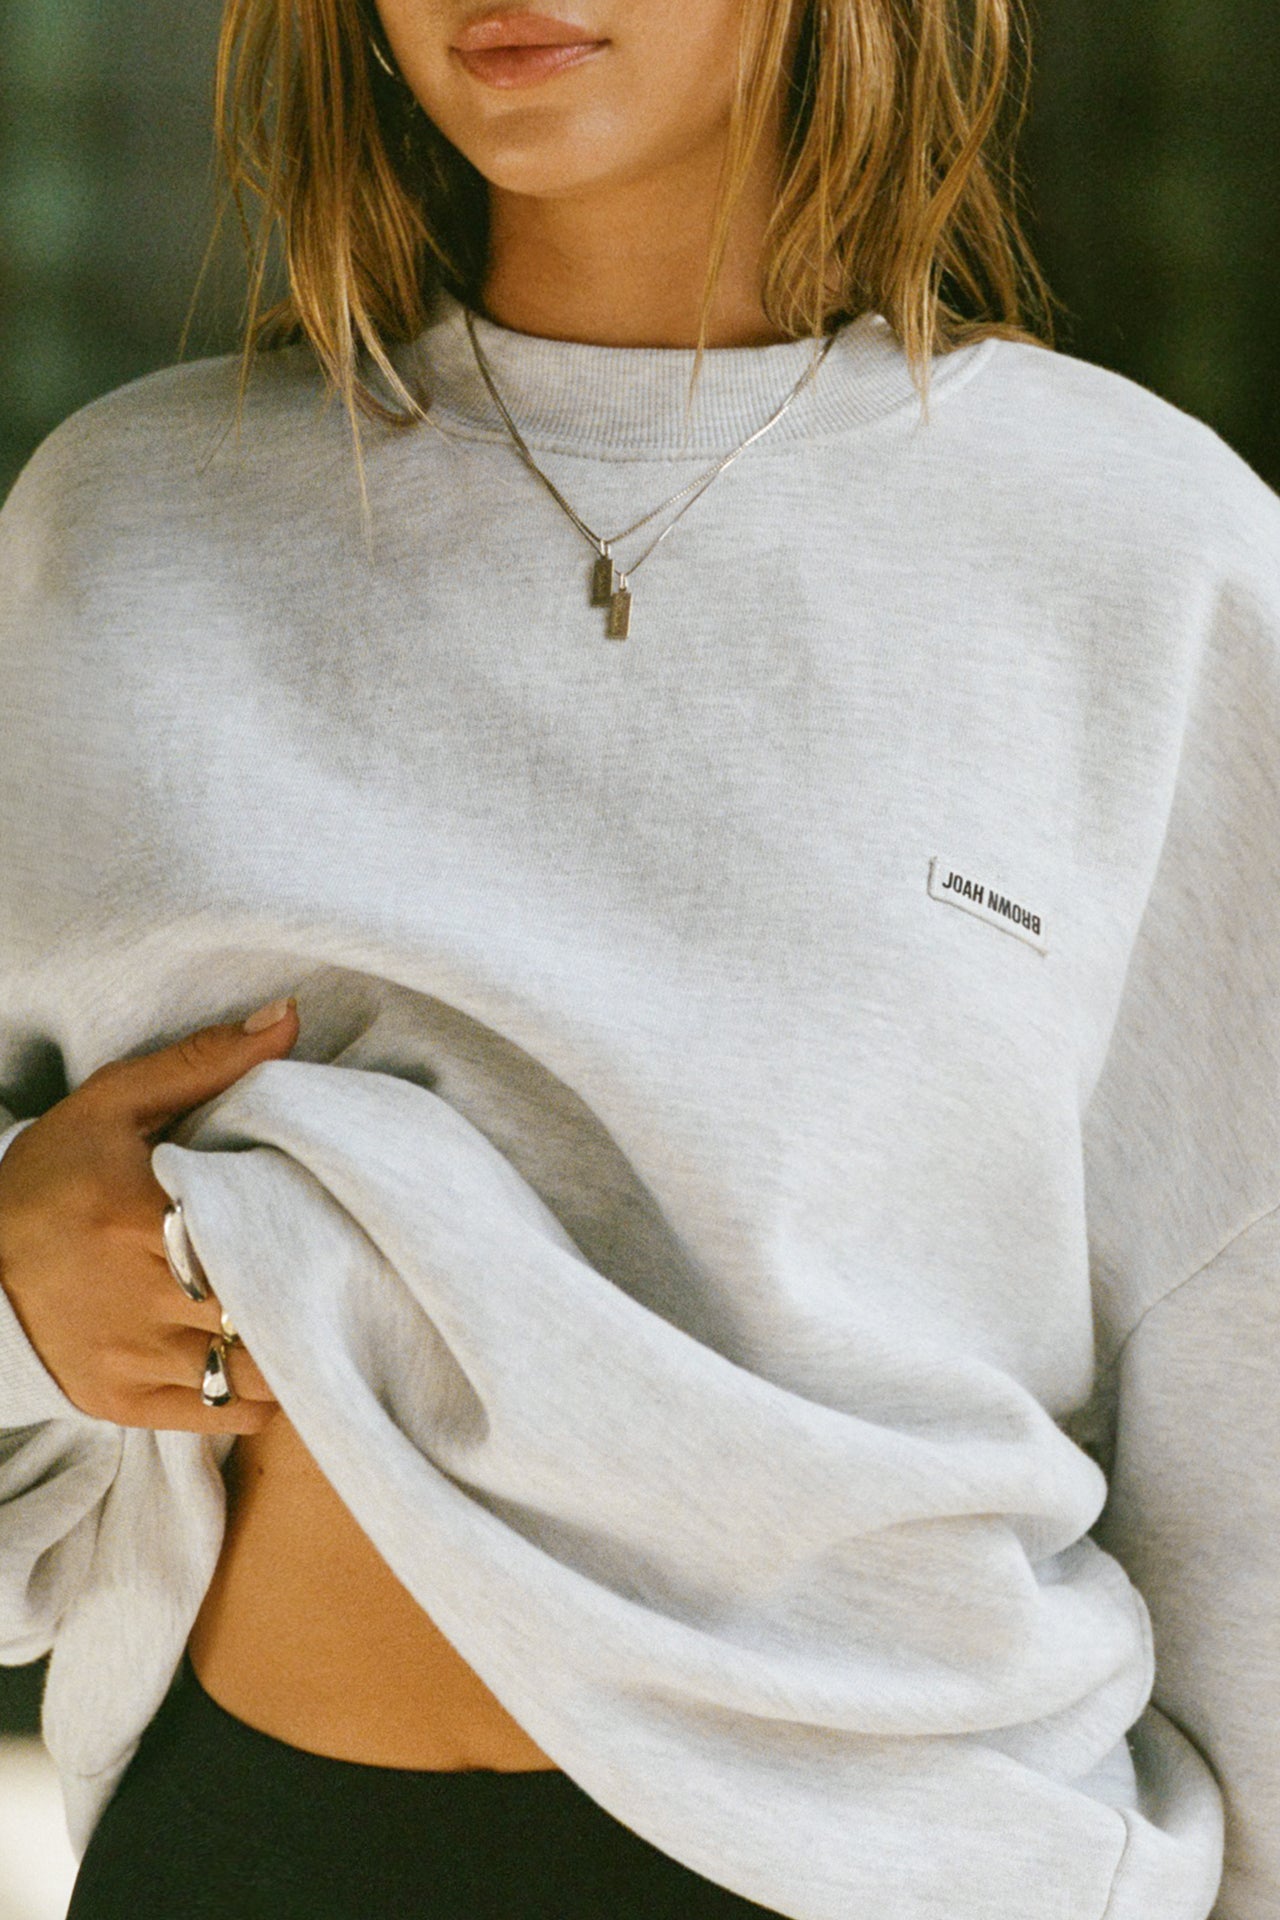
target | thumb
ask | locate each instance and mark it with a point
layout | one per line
(155, 1088)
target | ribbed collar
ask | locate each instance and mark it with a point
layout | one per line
(629, 402)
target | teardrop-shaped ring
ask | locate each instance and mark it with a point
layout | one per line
(184, 1262)
(229, 1333)
(215, 1389)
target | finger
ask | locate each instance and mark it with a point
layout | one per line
(242, 1371)
(151, 1090)
(184, 1365)
(182, 1309)
(180, 1410)
(179, 1311)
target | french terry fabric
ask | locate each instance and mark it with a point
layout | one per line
(771, 1224)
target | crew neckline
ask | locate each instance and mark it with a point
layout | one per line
(573, 396)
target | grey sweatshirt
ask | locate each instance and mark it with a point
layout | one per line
(771, 1224)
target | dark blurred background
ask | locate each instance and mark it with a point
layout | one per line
(1151, 161)
(1151, 156)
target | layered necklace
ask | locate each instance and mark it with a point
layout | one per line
(610, 585)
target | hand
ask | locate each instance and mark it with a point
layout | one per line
(81, 1250)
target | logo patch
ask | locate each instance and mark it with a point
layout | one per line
(951, 882)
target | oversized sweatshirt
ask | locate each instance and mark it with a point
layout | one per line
(772, 1222)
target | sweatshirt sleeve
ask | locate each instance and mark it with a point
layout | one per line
(57, 1464)
(1193, 1514)
(1183, 1181)
(1182, 1128)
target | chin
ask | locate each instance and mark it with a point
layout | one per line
(540, 170)
(547, 152)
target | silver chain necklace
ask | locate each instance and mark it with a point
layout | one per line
(609, 585)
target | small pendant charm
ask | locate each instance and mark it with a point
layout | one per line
(619, 614)
(604, 581)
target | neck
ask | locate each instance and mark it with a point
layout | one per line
(625, 266)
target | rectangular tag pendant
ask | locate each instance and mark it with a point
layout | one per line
(603, 581)
(619, 614)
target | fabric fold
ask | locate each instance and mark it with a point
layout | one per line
(734, 1574)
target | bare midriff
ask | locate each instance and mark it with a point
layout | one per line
(306, 1634)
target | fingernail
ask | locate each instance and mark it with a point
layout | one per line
(268, 1015)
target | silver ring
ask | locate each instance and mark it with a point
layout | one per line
(215, 1388)
(184, 1263)
(229, 1333)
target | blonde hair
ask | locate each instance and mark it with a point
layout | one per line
(896, 193)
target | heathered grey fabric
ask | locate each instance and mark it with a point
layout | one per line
(771, 1224)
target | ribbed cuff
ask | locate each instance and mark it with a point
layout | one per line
(28, 1391)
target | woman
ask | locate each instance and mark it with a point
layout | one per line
(599, 1399)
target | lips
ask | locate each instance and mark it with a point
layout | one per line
(521, 66)
(523, 30)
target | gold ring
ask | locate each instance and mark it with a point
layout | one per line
(229, 1333)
